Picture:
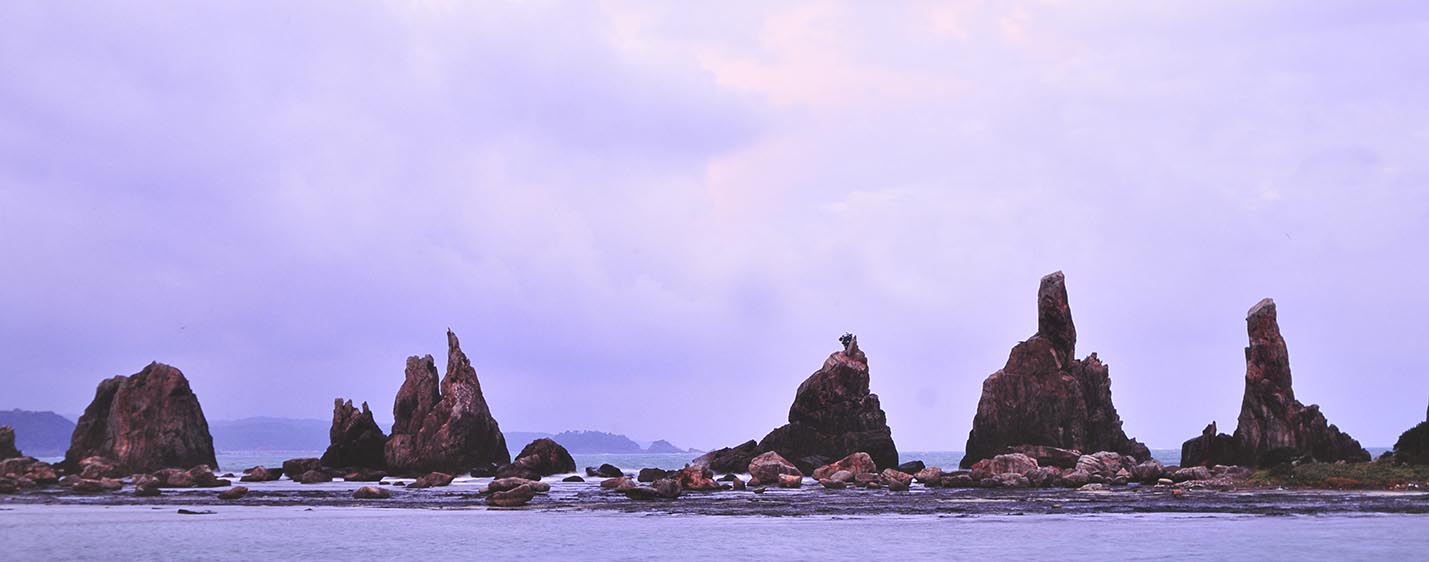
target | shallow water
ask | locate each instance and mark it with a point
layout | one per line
(328, 533)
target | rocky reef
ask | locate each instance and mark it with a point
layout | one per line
(447, 428)
(356, 439)
(1273, 426)
(833, 415)
(1045, 396)
(142, 423)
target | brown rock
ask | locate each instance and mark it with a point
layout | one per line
(98, 467)
(260, 474)
(1273, 426)
(144, 422)
(696, 478)
(446, 431)
(790, 480)
(1045, 396)
(1014, 463)
(314, 477)
(203, 477)
(545, 457)
(894, 479)
(737, 484)
(931, 476)
(1049, 456)
(233, 493)
(856, 463)
(835, 415)
(432, 479)
(617, 483)
(729, 459)
(515, 497)
(364, 475)
(174, 478)
(7, 443)
(371, 493)
(146, 486)
(295, 468)
(833, 484)
(87, 485)
(356, 441)
(504, 484)
(603, 471)
(667, 488)
(766, 468)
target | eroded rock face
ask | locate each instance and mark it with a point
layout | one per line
(448, 429)
(7, 443)
(356, 441)
(834, 415)
(1273, 425)
(144, 422)
(1045, 396)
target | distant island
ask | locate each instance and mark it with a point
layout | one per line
(597, 442)
(40, 434)
(293, 434)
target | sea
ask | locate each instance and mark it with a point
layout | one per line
(580, 522)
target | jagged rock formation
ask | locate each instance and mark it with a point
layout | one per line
(450, 430)
(834, 415)
(144, 422)
(1045, 396)
(356, 439)
(1273, 425)
(1413, 445)
(7, 443)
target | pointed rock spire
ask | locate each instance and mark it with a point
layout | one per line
(448, 429)
(1054, 316)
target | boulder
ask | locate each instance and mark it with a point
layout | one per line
(930, 476)
(314, 477)
(856, 463)
(604, 471)
(1042, 476)
(295, 468)
(1013, 463)
(356, 441)
(1045, 396)
(203, 477)
(514, 470)
(766, 468)
(1104, 463)
(1049, 456)
(484, 470)
(89, 486)
(894, 479)
(696, 477)
(1191, 473)
(790, 480)
(260, 474)
(174, 478)
(737, 484)
(572, 478)
(446, 430)
(371, 493)
(667, 488)
(143, 422)
(99, 467)
(233, 493)
(653, 474)
(363, 474)
(841, 476)
(1273, 426)
(1007, 480)
(729, 459)
(432, 479)
(834, 415)
(912, 467)
(7, 443)
(146, 486)
(545, 457)
(503, 484)
(1148, 472)
(618, 483)
(514, 497)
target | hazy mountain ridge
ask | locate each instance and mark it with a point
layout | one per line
(39, 434)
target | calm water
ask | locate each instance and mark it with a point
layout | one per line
(296, 533)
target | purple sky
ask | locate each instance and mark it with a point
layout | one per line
(657, 221)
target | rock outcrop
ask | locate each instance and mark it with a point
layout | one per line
(7, 443)
(729, 459)
(356, 441)
(144, 422)
(1273, 426)
(545, 457)
(1044, 395)
(834, 415)
(1413, 445)
(448, 429)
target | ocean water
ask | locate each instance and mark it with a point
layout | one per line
(84, 533)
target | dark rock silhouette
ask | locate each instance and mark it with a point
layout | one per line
(1273, 426)
(729, 459)
(144, 422)
(545, 457)
(7, 443)
(834, 415)
(448, 429)
(356, 439)
(1045, 396)
(1413, 445)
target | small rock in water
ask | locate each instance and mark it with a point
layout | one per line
(515, 497)
(233, 493)
(371, 493)
(193, 512)
(572, 478)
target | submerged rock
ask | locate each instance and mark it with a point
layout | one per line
(233, 493)
(1273, 426)
(1045, 396)
(515, 497)
(448, 429)
(371, 493)
(261, 474)
(314, 477)
(144, 422)
(604, 471)
(834, 414)
(356, 441)
(572, 478)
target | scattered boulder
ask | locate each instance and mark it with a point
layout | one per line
(1191, 473)
(1014, 463)
(143, 422)
(618, 483)
(856, 463)
(514, 470)
(696, 477)
(174, 478)
(912, 467)
(484, 470)
(261, 474)
(146, 486)
(99, 467)
(894, 479)
(295, 468)
(203, 477)
(233, 493)
(515, 497)
(1045, 396)
(356, 441)
(930, 476)
(545, 457)
(447, 430)
(766, 468)
(1049, 456)
(729, 459)
(572, 478)
(7, 443)
(1042, 476)
(1273, 426)
(604, 471)
(88, 485)
(790, 480)
(834, 414)
(432, 479)
(314, 477)
(371, 493)
(1148, 472)
(653, 474)
(833, 484)
(363, 474)
(667, 488)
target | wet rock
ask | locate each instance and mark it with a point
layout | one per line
(233, 493)
(696, 477)
(446, 430)
(667, 488)
(572, 478)
(729, 459)
(371, 493)
(737, 484)
(546, 457)
(7, 443)
(1042, 476)
(87, 485)
(298, 467)
(146, 486)
(1074, 479)
(1008, 480)
(790, 480)
(863, 479)
(957, 479)
(1015, 463)
(143, 422)
(652, 474)
(930, 476)
(515, 497)
(203, 477)
(356, 441)
(432, 479)
(261, 474)
(912, 467)
(514, 470)
(1191, 473)
(503, 484)
(484, 470)
(834, 414)
(618, 483)
(314, 477)
(1272, 422)
(99, 467)
(1045, 396)
(1049, 456)
(364, 475)
(767, 467)
(604, 471)
(894, 479)
(1103, 463)
(639, 492)
(1093, 488)
(856, 463)
(841, 476)
(174, 478)
(833, 484)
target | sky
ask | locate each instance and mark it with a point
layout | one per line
(657, 218)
